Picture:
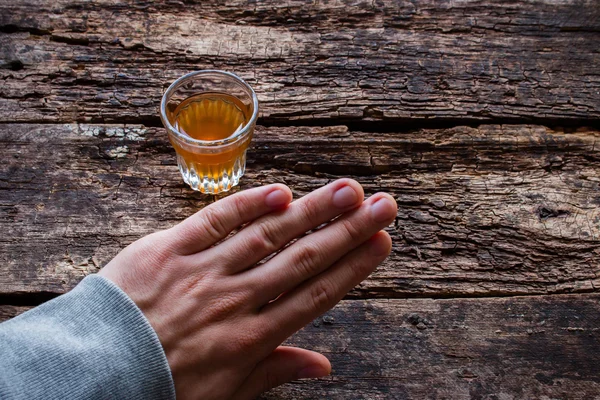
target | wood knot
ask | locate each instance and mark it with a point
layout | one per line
(545, 212)
(419, 322)
(13, 65)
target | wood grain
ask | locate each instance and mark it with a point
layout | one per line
(480, 117)
(487, 211)
(352, 60)
(514, 348)
(8, 312)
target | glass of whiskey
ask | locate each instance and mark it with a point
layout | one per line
(210, 117)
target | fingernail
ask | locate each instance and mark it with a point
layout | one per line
(379, 247)
(277, 198)
(383, 210)
(344, 197)
(314, 371)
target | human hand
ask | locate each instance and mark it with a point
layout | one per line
(220, 318)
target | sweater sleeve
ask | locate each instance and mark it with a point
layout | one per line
(91, 343)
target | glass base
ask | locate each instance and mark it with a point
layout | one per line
(212, 179)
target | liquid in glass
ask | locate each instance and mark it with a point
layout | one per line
(210, 117)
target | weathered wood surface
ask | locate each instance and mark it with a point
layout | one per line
(7, 312)
(515, 348)
(494, 210)
(502, 209)
(109, 61)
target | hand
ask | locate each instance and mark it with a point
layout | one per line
(219, 316)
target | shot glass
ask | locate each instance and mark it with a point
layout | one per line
(210, 117)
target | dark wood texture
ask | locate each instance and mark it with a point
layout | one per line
(494, 210)
(481, 118)
(516, 348)
(108, 61)
(7, 312)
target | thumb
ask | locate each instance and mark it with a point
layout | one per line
(283, 365)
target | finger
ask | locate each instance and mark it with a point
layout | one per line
(215, 221)
(271, 232)
(316, 252)
(298, 307)
(283, 365)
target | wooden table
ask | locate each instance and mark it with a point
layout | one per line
(480, 117)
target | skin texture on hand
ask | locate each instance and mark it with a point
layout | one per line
(220, 317)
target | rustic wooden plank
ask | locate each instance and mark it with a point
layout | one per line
(518, 348)
(475, 16)
(493, 210)
(109, 61)
(7, 312)
(505, 348)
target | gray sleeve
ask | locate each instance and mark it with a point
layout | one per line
(91, 343)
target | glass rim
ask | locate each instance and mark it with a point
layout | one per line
(207, 143)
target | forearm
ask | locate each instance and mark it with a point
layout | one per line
(91, 343)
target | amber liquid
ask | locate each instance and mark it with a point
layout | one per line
(211, 116)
